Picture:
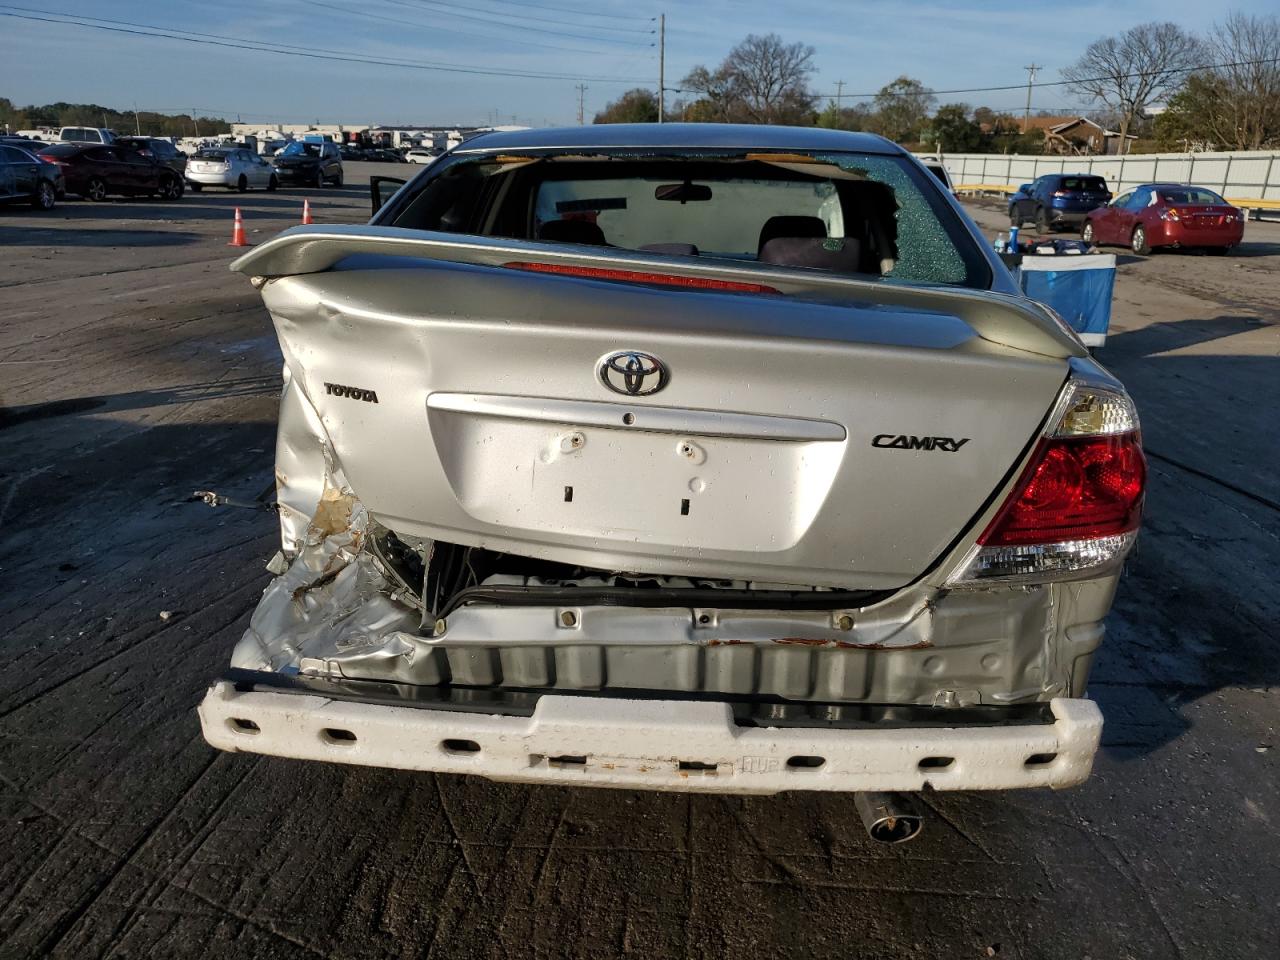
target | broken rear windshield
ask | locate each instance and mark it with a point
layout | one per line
(867, 215)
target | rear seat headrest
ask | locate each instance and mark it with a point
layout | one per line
(841, 254)
(572, 231)
(789, 226)
(675, 249)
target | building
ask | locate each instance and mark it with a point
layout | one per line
(1077, 136)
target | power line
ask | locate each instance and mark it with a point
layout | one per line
(581, 13)
(522, 41)
(260, 47)
(1068, 83)
(517, 26)
(510, 16)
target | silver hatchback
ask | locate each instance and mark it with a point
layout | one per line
(236, 168)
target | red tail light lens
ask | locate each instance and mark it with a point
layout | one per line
(1077, 488)
(635, 276)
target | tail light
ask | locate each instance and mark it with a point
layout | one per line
(1077, 505)
(54, 160)
(1060, 193)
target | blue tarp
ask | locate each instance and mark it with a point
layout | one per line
(1078, 287)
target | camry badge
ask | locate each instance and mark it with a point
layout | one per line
(633, 374)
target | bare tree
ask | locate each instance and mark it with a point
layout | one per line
(1144, 64)
(762, 80)
(1242, 93)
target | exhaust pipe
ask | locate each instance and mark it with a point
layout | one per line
(888, 817)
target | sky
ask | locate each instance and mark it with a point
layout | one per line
(607, 45)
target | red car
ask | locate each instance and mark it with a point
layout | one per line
(96, 170)
(1166, 215)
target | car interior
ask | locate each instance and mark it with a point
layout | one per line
(864, 215)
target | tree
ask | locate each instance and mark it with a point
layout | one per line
(953, 129)
(1141, 66)
(835, 117)
(901, 108)
(635, 106)
(762, 80)
(1236, 104)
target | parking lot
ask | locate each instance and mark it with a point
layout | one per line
(135, 369)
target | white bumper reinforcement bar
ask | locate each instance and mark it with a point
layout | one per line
(655, 744)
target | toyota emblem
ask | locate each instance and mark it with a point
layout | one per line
(633, 374)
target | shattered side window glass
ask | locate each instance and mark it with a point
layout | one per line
(927, 252)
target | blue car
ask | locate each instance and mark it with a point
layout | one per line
(1058, 200)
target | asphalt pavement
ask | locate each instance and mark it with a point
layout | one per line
(134, 369)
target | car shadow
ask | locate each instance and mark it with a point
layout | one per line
(48, 236)
(1192, 615)
(194, 208)
(196, 392)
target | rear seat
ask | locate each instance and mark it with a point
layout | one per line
(675, 249)
(572, 231)
(803, 242)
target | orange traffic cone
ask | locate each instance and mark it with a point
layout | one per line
(237, 232)
(306, 212)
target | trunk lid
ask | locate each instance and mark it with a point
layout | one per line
(792, 441)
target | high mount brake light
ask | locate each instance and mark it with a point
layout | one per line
(636, 276)
(1078, 503)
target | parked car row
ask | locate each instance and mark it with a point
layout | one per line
(41, 173)
(371, 155)
(1147, 217)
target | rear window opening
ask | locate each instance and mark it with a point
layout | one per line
(866, 215)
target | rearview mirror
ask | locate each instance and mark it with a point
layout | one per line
(683, 192)
(376, 198)
(1025, 188)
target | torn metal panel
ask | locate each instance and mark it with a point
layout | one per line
(340, 611)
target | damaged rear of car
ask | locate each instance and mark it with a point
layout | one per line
(687, 458)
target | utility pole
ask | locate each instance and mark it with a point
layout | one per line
(582, 94)
(137, 124)
(662, 67)
(839, 92)
(1031, 79)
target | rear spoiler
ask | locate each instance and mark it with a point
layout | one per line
(1000, 318)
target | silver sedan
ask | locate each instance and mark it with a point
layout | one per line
(235, 168)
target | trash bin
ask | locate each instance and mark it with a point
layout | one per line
(1078, 286)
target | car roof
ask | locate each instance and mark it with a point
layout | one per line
(684, 135)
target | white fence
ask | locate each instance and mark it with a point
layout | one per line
(1251, 174)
